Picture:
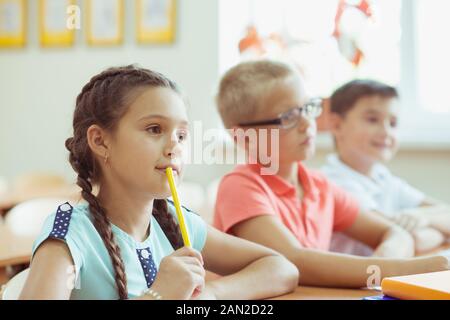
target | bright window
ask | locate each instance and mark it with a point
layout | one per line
(433, 54)
(400, 42)
(331, 41)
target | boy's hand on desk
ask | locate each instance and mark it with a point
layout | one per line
(396, 243)
(411, 221)
(386, 250)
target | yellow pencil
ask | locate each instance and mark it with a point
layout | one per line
(173, 189)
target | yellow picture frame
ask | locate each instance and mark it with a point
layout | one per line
(100, 30)
(155, 21)
(13, 23)
(52, 26)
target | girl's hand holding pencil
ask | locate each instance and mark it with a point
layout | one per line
(181, 275)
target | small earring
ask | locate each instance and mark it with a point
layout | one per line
(106, 158)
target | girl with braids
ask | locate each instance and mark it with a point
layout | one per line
(129, 125)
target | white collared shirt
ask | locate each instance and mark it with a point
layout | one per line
(382, 192)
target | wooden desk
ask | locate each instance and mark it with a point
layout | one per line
(317, 293)
(12, 198)
(14, 249)
(3, 277)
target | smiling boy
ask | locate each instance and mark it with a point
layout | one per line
(364, 123)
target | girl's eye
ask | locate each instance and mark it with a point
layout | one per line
(155, 129)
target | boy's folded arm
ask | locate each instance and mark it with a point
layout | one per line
(249, 270)
(441, 222)
(427, 239)
(316, 267)
(387, 239)
(437, 213)
(326, 269)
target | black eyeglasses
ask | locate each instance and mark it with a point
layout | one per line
(289, 119)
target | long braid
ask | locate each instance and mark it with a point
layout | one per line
(102, 102)
(102, 224)
(167, 223)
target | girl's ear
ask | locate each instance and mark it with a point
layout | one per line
(97, 139)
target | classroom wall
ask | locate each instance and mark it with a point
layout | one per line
(38, 86)
(38, 89)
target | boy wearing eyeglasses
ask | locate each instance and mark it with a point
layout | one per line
(295, 210)
(364, 123)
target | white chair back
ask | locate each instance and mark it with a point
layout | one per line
(14, 287)
(27, 218)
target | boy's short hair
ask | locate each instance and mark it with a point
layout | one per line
(243, 86)
(345, 97)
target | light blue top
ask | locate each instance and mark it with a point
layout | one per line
(93, 267)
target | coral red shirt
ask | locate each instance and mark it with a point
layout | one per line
(245, 193)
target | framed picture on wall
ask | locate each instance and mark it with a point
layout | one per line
(104, 22)
(53, 26)
(12, 23)
(155, 21)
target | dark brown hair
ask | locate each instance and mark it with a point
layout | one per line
(103, 101)
(345, 97)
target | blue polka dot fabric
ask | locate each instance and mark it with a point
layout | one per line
(148, 265)
(61, 222)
